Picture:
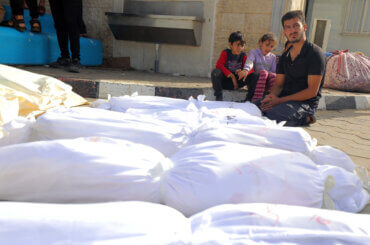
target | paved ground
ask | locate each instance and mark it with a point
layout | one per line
(347, 130)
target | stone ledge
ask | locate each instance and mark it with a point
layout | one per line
(100, 89)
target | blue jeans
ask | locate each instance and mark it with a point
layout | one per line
(293, 112)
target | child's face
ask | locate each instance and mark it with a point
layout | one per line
(267, 46)
(236, 47)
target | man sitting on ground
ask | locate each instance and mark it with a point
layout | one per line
(294, 98)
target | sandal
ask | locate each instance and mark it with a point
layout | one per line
(17, 24)
(35, 25)
(8, 23)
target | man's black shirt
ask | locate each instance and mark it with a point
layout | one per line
(310, 61)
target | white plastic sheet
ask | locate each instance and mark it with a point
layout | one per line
(169, 109)
(61, 123)
(278, 224)
(274, 136)
(346, 189)
(146, 102)
(23, 93)
(214, 173)
(248, 107)
(230, 116)
(327, 155)
(17, 131)
(107, 223)
(124, 103)
(245, 117)
(93, 169)
(292, 139)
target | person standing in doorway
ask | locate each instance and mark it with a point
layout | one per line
(67, 15)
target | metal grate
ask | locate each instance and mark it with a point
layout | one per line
(357, 17)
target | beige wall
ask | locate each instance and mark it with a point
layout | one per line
(179, 59)
(96, 23)
(335, 11)
(251, 17)
(295, 5)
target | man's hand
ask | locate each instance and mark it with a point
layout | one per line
(269, 102)
(232, 76)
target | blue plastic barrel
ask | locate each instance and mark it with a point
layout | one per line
(27, 48)
(23, 47)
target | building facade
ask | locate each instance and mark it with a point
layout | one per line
(221, 17)
(349, 23)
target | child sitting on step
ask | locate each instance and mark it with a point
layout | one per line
(264, 64)
(229, 66)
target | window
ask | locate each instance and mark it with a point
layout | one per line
(357, 17)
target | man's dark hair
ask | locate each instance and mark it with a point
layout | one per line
(293, 14)
(236, 36)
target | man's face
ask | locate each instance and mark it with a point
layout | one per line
(294, 30)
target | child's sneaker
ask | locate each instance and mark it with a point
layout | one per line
(75, 66)
(61, 63)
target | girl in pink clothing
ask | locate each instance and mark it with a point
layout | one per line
(264, 64)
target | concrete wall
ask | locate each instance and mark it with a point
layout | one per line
(251, 17)
(96, 23)
(180, 59)
(295, 5)
(335, 11)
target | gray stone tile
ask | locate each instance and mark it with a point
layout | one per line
(362, 102)
(179, 93)
(340, 102)
(119, 89)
